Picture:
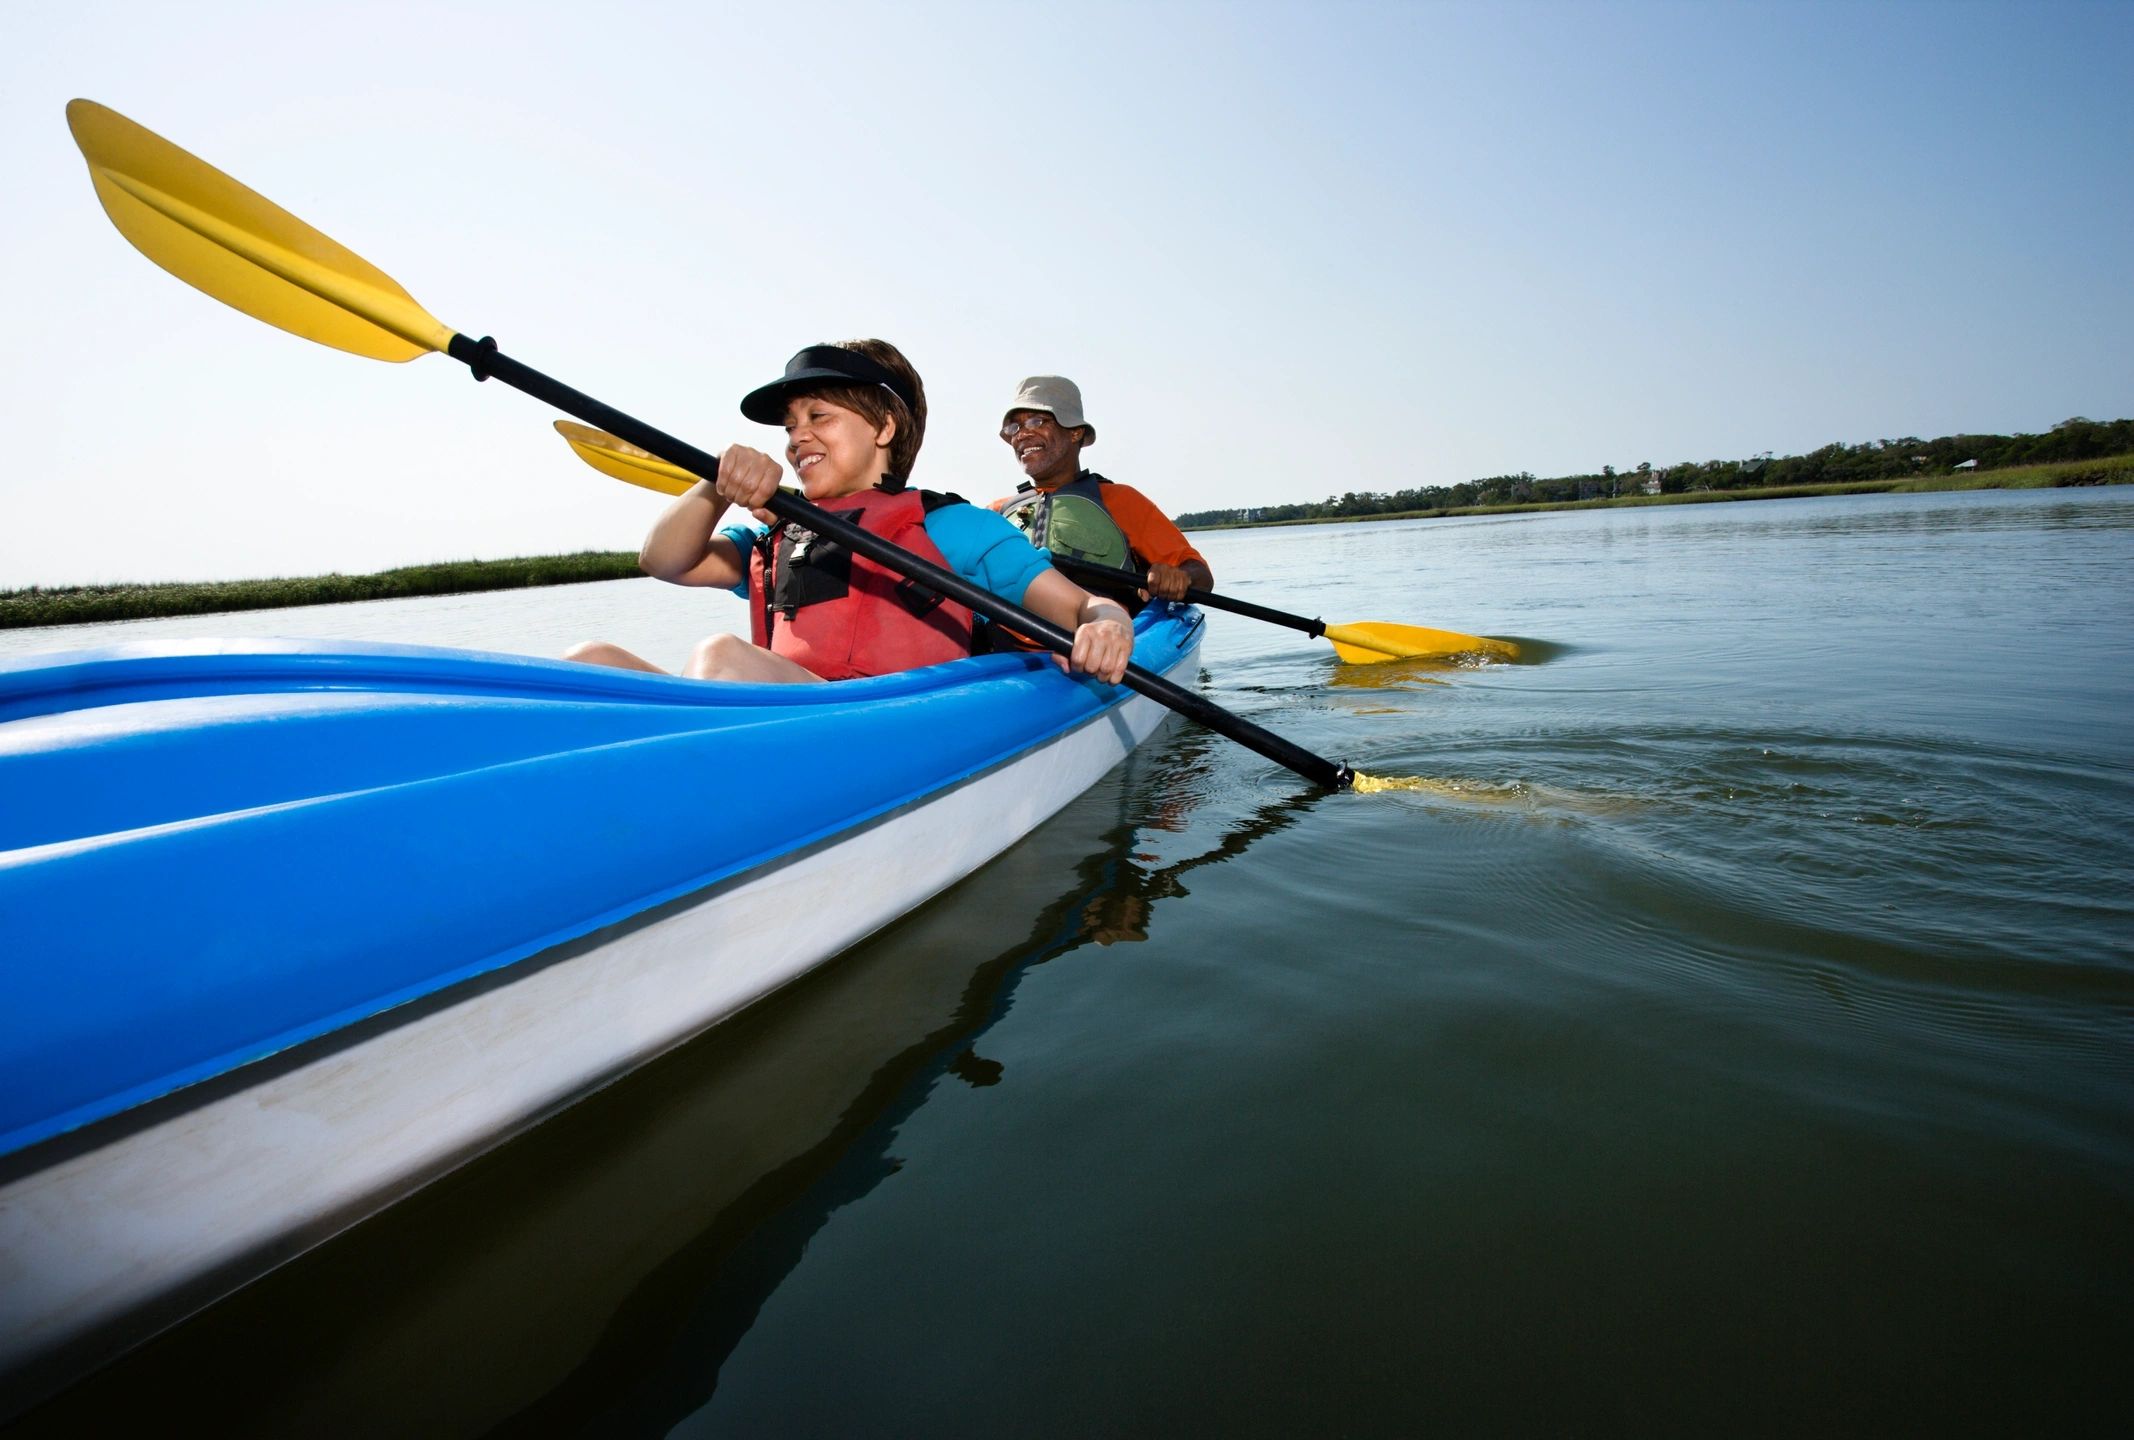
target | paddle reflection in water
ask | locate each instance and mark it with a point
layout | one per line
(594, 1274)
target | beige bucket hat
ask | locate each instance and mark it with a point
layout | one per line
(1057, 396)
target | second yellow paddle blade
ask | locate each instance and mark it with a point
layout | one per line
(612, 455)
(240, 247)
(1372, 642)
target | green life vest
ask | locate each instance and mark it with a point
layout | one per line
(1073, 521)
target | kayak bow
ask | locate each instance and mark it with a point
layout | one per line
(297, 928)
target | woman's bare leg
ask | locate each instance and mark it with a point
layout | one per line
(600, 652)
(729, 657)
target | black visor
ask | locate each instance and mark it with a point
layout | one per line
(815, 368)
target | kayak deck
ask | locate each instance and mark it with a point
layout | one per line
(212, 852)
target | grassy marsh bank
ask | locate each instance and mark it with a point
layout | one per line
(81, 604)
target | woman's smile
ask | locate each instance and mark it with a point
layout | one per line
(833, 451)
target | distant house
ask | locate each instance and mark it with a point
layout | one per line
(1651, 486)
(1965, 465)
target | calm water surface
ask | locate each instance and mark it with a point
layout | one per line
(1738, 1038)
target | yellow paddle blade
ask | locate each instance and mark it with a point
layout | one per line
(1372, 642)
(242, 248)
(612, 455)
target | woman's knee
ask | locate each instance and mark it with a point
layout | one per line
(721, 657)
(729, 657)
(600, 652)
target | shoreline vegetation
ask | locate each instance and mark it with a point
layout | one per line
(85, 604)
(88, 604)
(1905, 464)
(2112, 470)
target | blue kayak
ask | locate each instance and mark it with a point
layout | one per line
(292, 928)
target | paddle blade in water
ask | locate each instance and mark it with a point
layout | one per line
(1379, 784)
(1372, 642)
(611, 455)
(240, 247)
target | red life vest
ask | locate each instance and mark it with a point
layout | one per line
(844, 616)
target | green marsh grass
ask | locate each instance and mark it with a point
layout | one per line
(81, 604)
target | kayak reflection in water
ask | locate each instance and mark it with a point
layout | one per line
(660, 1358)
(854, 416)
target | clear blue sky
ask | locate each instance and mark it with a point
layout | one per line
(1288, 250)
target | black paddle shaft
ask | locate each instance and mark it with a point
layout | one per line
(485, 360)
(1084, 570)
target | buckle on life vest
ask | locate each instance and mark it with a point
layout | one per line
(917, 598)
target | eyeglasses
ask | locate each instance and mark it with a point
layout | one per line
(1035, 420)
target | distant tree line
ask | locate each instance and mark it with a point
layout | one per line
(1834, 464)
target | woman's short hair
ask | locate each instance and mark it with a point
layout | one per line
(877, 403)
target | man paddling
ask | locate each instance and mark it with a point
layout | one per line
(1075, 512)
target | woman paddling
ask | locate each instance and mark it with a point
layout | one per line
(854, 416)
